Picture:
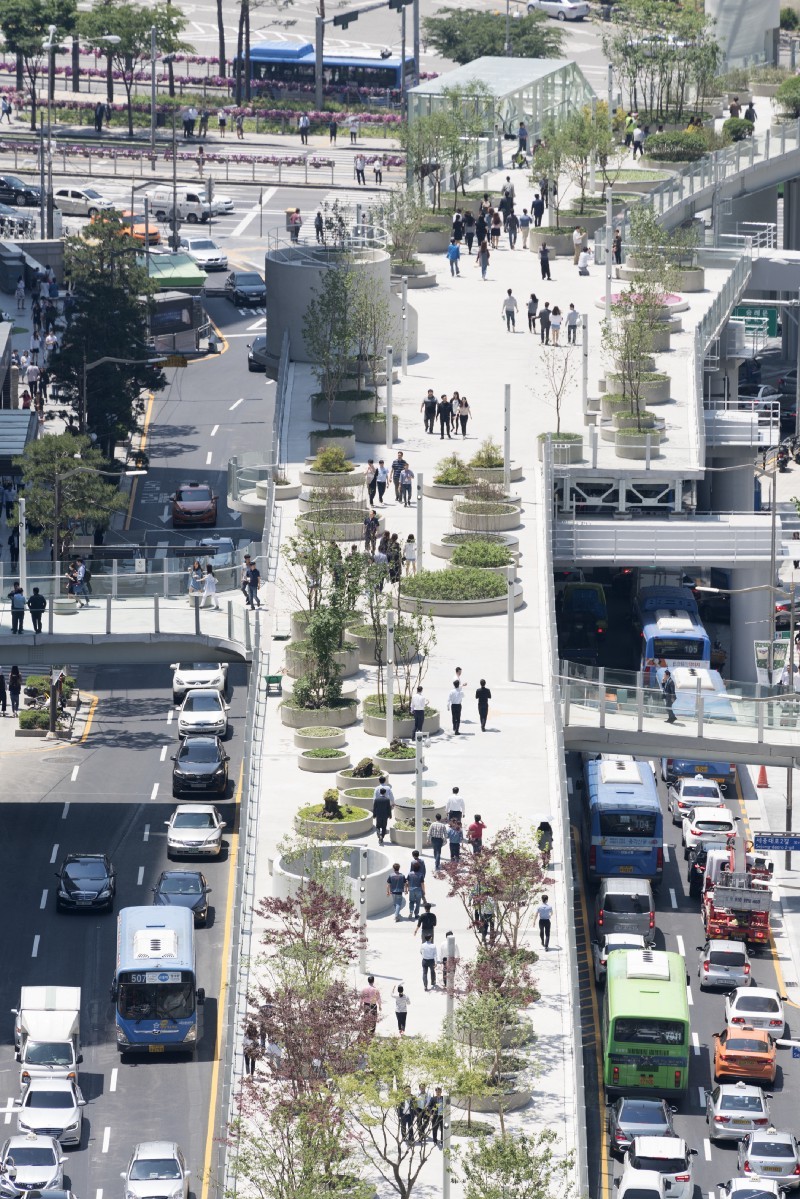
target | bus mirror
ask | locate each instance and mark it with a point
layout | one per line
(201, 996)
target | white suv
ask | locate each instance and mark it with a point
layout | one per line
(668, 1156)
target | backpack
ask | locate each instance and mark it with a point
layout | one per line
(87, 575)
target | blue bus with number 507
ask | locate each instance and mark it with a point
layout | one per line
(154, 991)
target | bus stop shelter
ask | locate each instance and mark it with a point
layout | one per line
(536, 90)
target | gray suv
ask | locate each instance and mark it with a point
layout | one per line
(625, 905)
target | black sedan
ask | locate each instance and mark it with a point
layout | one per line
(201, 764)
(257, 354)
(245, 287)
(85, 880)
(14, 190)
(183, 889)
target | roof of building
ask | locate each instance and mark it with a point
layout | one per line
(501, 75)
(17, 428)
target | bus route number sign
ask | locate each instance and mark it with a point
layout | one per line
(157, 976)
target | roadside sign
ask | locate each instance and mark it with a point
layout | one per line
(777, 841)
(795, 1051)
(175, 360)
(754, 312)
(740, 900)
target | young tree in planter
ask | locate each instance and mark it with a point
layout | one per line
(373, 327)
(426, 143)
(584, 139)
(328, 331)
(548, 163)
(522, 1165)
(315, 932)
(488, 1025)
(560, 372)
(403, 215)
(414, 640)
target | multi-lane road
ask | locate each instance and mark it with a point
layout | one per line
(679, 928)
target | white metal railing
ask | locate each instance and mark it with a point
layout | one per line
(731, 420)
(716, 540)
(165, 578)
(760, 235)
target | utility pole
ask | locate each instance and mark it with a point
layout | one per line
(174, 235)
(153, 89)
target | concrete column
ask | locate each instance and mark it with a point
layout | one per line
(749, 620)
(732, 490)
(791, 215)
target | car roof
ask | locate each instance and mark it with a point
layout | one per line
(193, 483)
(28, 1138)
(623, 939)
(49, 1083)
(155, 1149)
(747, 1030)
(204, 808)
(202, 691)
(627, 886)
(660, 1146)
(754, 992)
(740, 1088)
(709, 812)
(773, 1134)
(728, 946)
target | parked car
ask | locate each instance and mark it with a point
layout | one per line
(14, 190)
(562, 10)
(735, 1109)
(81, 201)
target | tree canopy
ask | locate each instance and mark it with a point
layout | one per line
(25, 25)
(466, 34)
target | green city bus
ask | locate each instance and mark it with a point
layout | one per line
(646, 1030)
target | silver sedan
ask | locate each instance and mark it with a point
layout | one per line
(194, 830)
(771, 1155)
(734, 1110)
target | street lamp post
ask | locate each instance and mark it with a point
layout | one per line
(153, 50)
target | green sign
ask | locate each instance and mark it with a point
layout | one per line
(766, 312)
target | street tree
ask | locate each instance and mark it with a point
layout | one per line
(584, 139)
(462, 35)
(328, 330)
(314, 933)
(62, 488)
(131, 23)
(403, 214)
(547, 163)
(426, 143)
(25, 25)
(109, 319)
(560, 371)
(374, 327)
(521, 1165)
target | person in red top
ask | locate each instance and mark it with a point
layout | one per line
(475, 834)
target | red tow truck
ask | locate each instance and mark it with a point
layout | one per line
(736, 904)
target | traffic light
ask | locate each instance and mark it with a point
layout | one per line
(344, 19)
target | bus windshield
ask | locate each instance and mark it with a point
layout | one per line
(649, 1031)
(627, 824)
(156, 1001)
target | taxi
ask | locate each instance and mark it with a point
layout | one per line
(744, 1052)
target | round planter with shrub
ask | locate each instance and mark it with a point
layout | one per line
(468, 591)
(331, 468)
(483, 554)
(566, 447)
(333, 439)
(298, 659)
(396, 758)
(339, 715)
(374, 717)
(364, 773)
(447, 546)
(323, 736)
(323, 761)
(362, 638)
(403, 832)
(333, 817)
(488, 463)
(405, 809)
(335, 523)
(359, 795)
(485, 515)
(451, 477)
(370, 428)
(630, 443)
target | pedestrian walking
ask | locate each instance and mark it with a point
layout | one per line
(395, 556)
(352, 125)
(428, 410)
(243, 579)
(555, 323)
(17, 604)
(533, 308)
(99, 113)
(371, 525)
(436, 1116)
(382, 808)
(304, 125)
(525, 222)
(209, 589)
(222, 121)
(427, 952)
(544, 260)
(333, 130)
(418, 705)
(577, 243)
(448, 961)
(401, 1005)
(5, 110)
(204, 119)
(454, 256)
(483, 695)
(377, 170)
(475, 834)
(396, 468)
(240, 126)
(416, 888)
(464, 413)
(616, 247)
(20, 294)
(750, 113)
(201, 160)
(37, 604)
(573, 317)
(508, 309)
(253, 584)
(512, 229)
(318, 226)
(370, 480)
(545, 915)
(545, 316)
(454, 702)
(396, 887)
(544, 838)
(456, 806)
(381, 479)
(251, 1047)
(359, 164)
(638, 141)
(3, 692)
(406, 482)
(482, 258)
(444, 411)
(371, 1002)
(455, 835)
(406, 1108)
(14, 688)
(544, 188)
(426, 921)
(495, 229)
(295, 222)
(583, 262)
(35, 346)
(437, 835)
(630, 125)
(668, 691)
(468, 220)
(537, 210)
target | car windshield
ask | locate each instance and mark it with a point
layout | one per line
(92, 194)
(204, 666)
(144, 1169)
(85, 870)
(193, 820)
(726, 957)
(701, 791)
(772, 1149)
(745, 1045)
(641, 1193)
(195, 495)
(642, 1113)
(757, 1003)
(181, 884)
(249, 280)
(30, 1155)
(713, 826)
(48, 1053)
(203, 243)
(199, 753)
(663, 1165)
(201, 703)
(741, 1103)
(13, 181)
(628, 905)
(61, 1099)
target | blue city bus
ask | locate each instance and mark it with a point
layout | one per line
(693, 681)
(623, 826)
(155, 992)
(672, 632)
(293, 64)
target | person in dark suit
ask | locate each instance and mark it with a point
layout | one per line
(444, 411)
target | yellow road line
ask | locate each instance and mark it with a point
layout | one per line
(605, 1184)
(142, 443)
(92, 707)
(233, 850)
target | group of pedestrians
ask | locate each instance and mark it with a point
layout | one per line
(452, 413)
(551, 321)
(12, 690)
(36, 604)
(377, 480)
(392, 556)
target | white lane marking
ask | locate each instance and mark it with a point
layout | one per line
(140, 876)
(164, 749)
(170, 715)
(707, 1149)
(54, 854)
(209, 456)
(106, 1138)
(114, 1076)
(165, 513)
(65, 810)
(253, 213)
(98, 1193)
(43, 900)
(214, 431)
(35, 950)
(75, 770)
(9, 1110)
(695, 1044)
(236, 404)
(154, 792)
(681, 946)
(701, 1091)
(673, 897)
(666, 853)
(147, 832)
(689, 999)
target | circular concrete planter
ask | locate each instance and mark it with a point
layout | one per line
(296, 660)
(590, 221)
(494, 474)
(442, 491)
(512, 1101)
(343, 411)
(405, 809)
(339, 528)
(490, 522)
(636, 447)
(340, 717)
(403, 725)
(366, 648)
(433, 241)
(644, 186)
(285, 491)
(351, 478)
(374, 432)
(319, 440)
(332, 828)
(460, 608)
(565, 453)
(407, 837)
(344, 780)
(559, 244)
(440, 549)
(395, 765)
(651, 391)
(64, 605)
(323, 765)
(351, 500)
(289, 870)
(348, 794)
(330, 741)
(495, 570)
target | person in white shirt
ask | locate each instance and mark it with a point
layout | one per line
(418, 703)
(455, 806)
(577, 243)
(454, 701)
(401, 1005)
(427, 952)
(573, 317)
(210, 588)
(508, 309)
(544, 913)
(384, 787)
(583, 262)
(382, 478)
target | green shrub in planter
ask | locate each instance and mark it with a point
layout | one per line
(332, 461)
(365, 769)
(465, 538)
(348, 395)
(480, 553)
(34, 719)
(645, 422)
(469, 583)
(563, 437)
(397, 750)
(488, 456)
(326, 434)
(360, 792)
(452, 471)
(321, 811)
(677, 147)
(653, 377)
(634, 434)
(408, 826)
(789, 19)
(317, 730)
(42, 683)
(736, 129)
(486, 508)
(324, 753)
(375, 705)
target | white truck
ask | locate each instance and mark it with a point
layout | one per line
(47, 1032)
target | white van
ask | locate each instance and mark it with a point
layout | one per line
(191, 205)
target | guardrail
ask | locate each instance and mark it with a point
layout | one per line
(711, 538)
(731, 420)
